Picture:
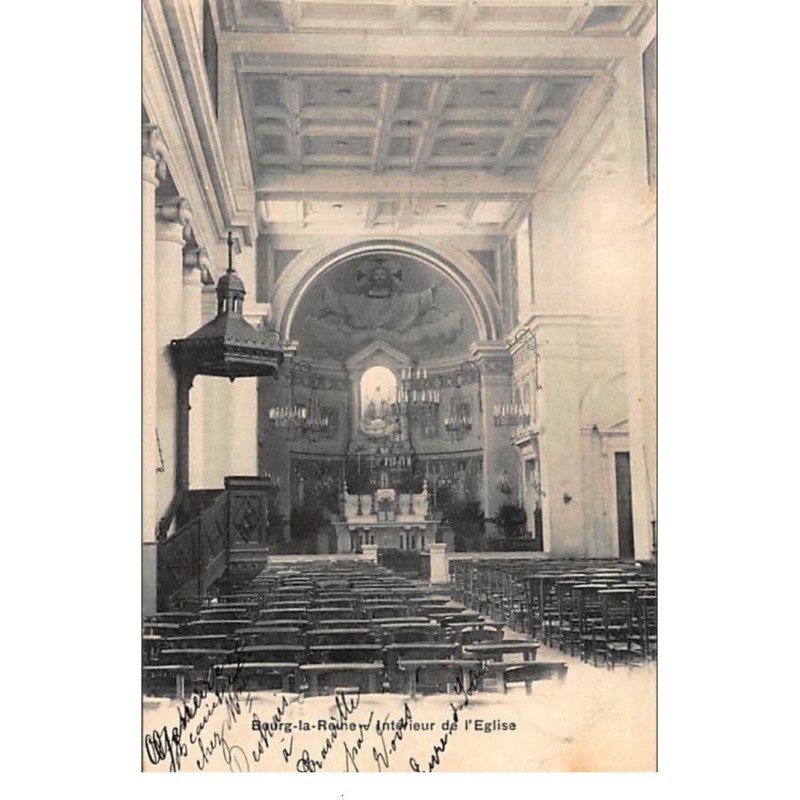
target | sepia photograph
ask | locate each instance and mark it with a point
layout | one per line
(398, 415)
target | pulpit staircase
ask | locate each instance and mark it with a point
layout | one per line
(219, 540)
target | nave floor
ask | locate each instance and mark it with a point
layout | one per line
(595, 720)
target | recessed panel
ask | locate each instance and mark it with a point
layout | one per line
(266, 92)
(336, 145)
(505, 93)
(345, 91)
(467, 148)
(343, 12)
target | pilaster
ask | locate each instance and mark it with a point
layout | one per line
(499, 457)
(196, 263)
(173, 220)
(153, 172)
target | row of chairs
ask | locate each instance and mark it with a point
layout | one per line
(603, 610)
(310, 630)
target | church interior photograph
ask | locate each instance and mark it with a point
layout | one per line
(399, 384)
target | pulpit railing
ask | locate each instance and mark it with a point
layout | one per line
(196, 555)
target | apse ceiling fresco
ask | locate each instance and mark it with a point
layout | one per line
(394, 299)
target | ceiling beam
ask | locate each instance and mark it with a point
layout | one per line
(290, 12)
(579, 18)
(390, 95)
(407, 15)
(440, 91)
(465, 16)
(291, 90)
(530, 103)
(405, 212)
(470, 210)
(588, 108)
(323, 66)
(371, 214)
(466, 184)
(421, 48)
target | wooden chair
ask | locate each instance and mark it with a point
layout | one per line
(330, 612)
(328, 678)
(531, 671)
(249, 599)
(175, 617)
(264, 676)
(405, 632)
(323, 624)
(349, 636)
(227, 612)
(644, 635)
(610, 637)
(286, 612)
(268, 635)
(446, 617)
(151, 648)
(200, 660)
(473, 634)
(584, 614)
(276, 604)
(392, 653)
(223, 626)
(292, 653)
(281, 622)
(205, 641)
(489, 651)
(166, 680)
(344, 653)
(439, 675)
(335, 601)
(161, 628)
(565, 632)
(385, 610)
(377, 622)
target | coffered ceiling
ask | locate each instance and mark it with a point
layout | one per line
(440, 122)
(563, 17)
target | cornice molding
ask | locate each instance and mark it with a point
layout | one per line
(190, 57)
(193, 150)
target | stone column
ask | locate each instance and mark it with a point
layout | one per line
(244, 391)
(172, 231)
(499, 455)
(195, 263)
(439, 572)
(637, 252)
(153, 171)
(243, 433)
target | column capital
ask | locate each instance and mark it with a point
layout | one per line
(493, 358)
(196, 265)
(175, 211)
(196, 258)
(153, 151)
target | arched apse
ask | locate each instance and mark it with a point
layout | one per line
(455, 269)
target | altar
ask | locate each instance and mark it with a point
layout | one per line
(387, 518)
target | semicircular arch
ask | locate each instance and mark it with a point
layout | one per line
(461, 268)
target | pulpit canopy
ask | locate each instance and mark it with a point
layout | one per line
(229, 346)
